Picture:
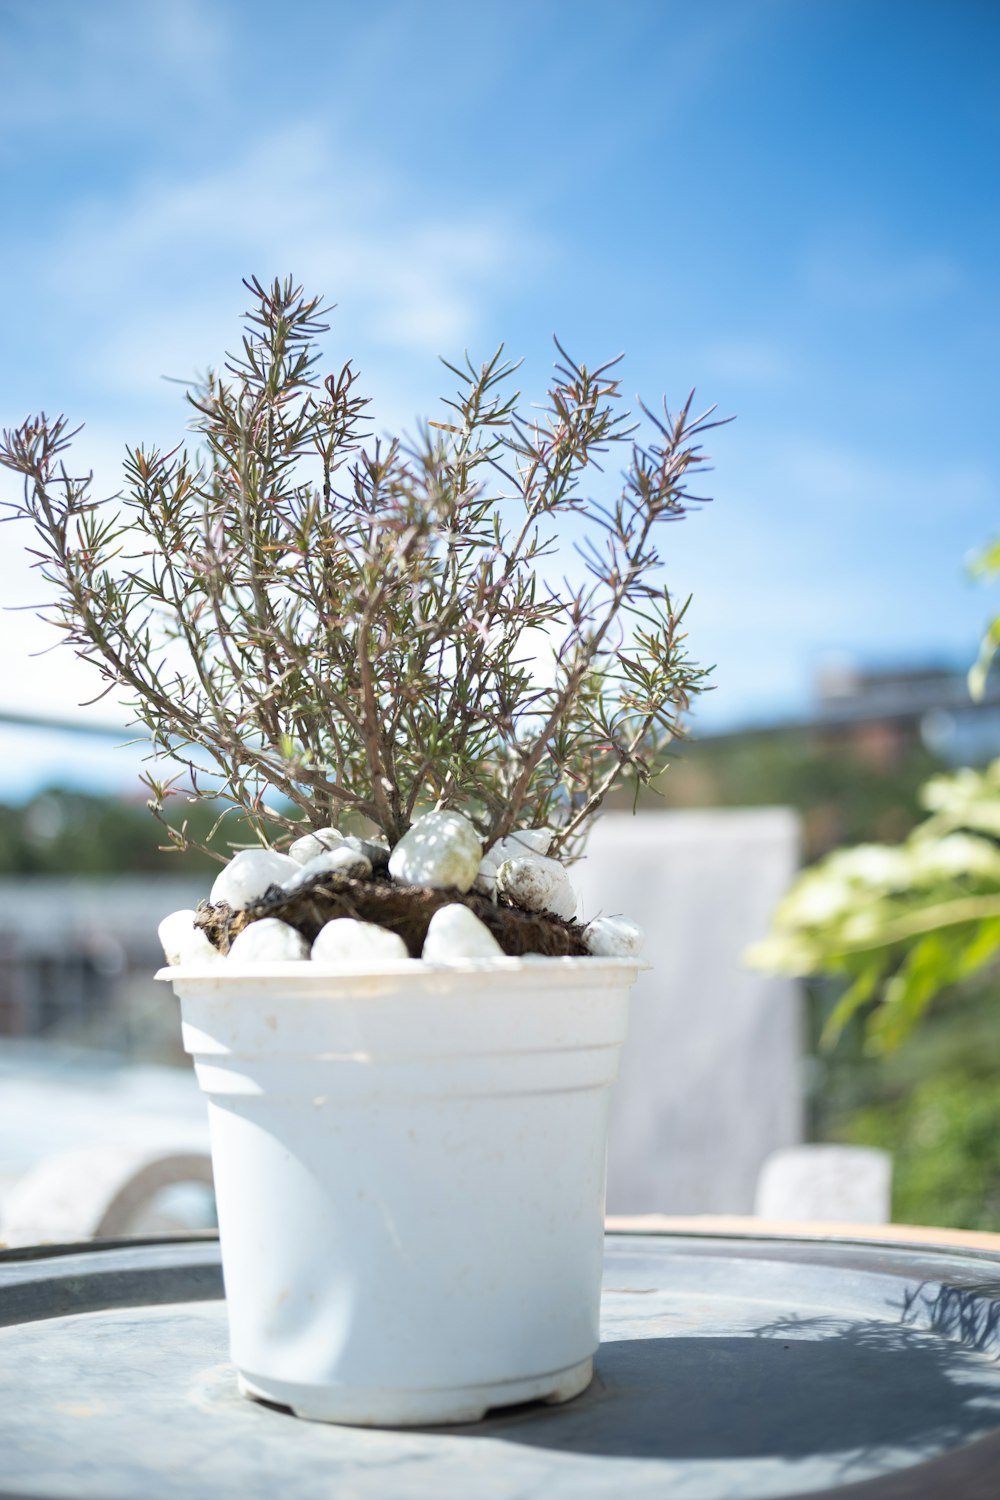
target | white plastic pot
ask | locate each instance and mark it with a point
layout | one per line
(410, 1173)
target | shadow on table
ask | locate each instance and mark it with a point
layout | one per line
(814, 1387)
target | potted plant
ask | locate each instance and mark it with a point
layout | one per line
(406, 1039)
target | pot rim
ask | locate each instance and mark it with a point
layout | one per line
(536, 967)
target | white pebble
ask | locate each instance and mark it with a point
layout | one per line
(248, 875)
(346, 940)
(183, 942)
(456, 933)
(522, 841)
(310, 845)
(614, 937)
(441, 850)
(268, 941)
(340, 861)
(538, 884)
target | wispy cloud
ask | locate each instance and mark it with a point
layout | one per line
(817, 546)
(858, 271)
(890, 491)
(108, 65)
(160, 268)
(746, 362)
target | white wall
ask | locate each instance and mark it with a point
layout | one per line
(710, 1078)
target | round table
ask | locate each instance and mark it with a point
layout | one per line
(735, 1362)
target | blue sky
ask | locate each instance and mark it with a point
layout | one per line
(791, 204)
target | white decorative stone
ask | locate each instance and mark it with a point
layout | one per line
(311, 845)
(521, 841)
(441, 850)
(268, 941)
(346, 940)
(340, 861)
(536, 883)
(183, 942)
(614, 937)
(455, 933)
(249, 874)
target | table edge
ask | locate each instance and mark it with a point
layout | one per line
(735, 1226)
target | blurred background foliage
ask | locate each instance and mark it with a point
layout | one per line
(62, 832)
(934, 1104)
(899, 924)
(897, 942)
(841, 796)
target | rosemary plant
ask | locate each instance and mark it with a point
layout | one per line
(342, 625)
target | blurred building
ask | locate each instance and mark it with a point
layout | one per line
(77, 959)
(853, 767)
(882, 715)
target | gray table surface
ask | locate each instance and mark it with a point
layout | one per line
(729, 1367)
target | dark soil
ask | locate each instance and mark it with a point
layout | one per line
(405, 909)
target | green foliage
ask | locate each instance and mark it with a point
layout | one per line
(943, 1139)
(889, 929)
(934, 1104)
(354, 627)
(67, 833)
(900, 924)
(986, 565)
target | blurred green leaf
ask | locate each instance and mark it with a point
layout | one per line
(903, 922)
